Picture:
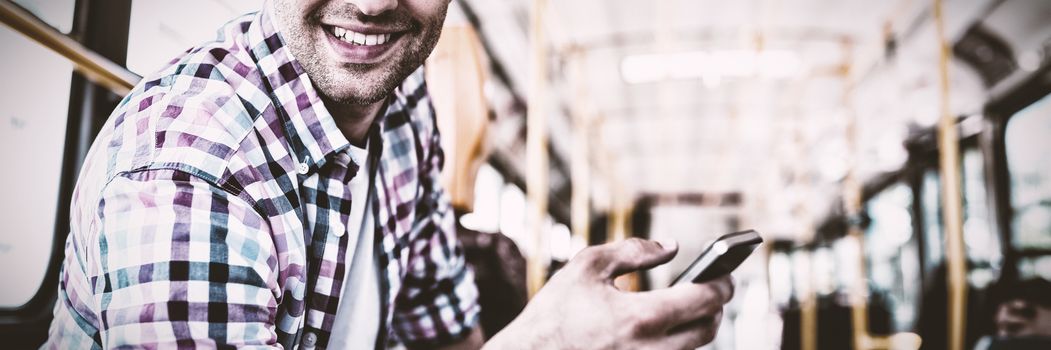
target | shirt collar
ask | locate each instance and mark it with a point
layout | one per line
(310, 128)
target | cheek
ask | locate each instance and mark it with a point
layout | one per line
(306, 7)
(303, 12)
(427, 11)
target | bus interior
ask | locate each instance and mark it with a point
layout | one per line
(893, 154)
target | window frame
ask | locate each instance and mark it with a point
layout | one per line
(1007, 163)
(102, 27)
(998, 114)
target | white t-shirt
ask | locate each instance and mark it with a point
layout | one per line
(358, 317)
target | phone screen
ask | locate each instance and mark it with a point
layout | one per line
(721, 257)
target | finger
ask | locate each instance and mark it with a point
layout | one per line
(687, 302)
(694, 334)
(633, 254)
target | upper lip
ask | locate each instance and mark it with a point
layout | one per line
(366, 29)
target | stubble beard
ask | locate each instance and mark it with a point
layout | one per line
(353, 85)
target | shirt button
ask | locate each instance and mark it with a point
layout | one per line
(303, 168)
(309, 340)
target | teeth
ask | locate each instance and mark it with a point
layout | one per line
(360, 39)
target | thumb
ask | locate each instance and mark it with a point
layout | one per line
(633, 254)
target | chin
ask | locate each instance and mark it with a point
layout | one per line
(364, 84)
(365, 94)
(362, 88)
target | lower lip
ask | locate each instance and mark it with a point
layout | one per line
(359, 54)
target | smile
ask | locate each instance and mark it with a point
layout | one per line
(350, 46)
(360, 39)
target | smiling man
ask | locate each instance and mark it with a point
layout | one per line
(278, 187)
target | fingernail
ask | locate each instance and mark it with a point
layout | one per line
(668, 244)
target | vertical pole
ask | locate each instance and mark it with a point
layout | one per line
(808, 312)
(859, 312)
(580, 204)
(536, 149)
(949, 158)
(619, 227)
(808, 320)
(852, 193)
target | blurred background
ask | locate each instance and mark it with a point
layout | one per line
(894, 154)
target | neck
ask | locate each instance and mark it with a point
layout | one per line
(354, 120)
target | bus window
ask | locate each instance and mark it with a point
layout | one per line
(893, 261)
(57, 13)
(932, 221)
(779, 271)
(1027, 158)
(1038, 266)
(486, 215)
(32, 138)
(981, 241)
(161, 30)
(1028, 162)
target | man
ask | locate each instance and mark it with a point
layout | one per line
(278, 188)
(1022, 315)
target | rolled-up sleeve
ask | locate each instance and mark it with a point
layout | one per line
(182, 264)
(438, 304)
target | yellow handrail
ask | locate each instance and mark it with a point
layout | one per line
(536, 149)
(948, 145)
(580, 170)
(96, 68)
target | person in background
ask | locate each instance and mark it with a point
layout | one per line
(278, 188)
(1022, 316)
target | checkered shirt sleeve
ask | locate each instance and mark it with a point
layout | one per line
(207, 213)
(438, 303)
(183, 265)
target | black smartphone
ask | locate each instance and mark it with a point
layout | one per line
(721, 257)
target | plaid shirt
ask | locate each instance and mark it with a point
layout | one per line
(212, 211)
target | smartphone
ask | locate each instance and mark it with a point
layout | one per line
(721, 257)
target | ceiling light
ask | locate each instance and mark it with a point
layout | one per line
(711, 66)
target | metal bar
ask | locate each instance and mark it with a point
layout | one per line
(536, 149)
(949, 157)
(627, 38)
(852, 200)
(580, 167)
(859, 296)
(808, 310)
(619, 230)
(96, 68)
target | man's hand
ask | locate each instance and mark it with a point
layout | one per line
(579, 308)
